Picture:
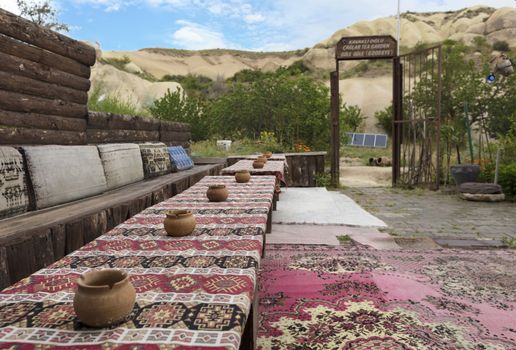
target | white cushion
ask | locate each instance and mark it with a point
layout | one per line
(122, 163)
(60, 174)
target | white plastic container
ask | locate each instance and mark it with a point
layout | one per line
(224, 144)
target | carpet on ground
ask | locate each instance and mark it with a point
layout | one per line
(323, 297)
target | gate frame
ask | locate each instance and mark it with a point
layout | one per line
(335, 96)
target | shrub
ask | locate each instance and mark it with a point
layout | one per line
(177, 106)
(502, 46)
(352, 118)
(507, 179)
(98, 101)
(384, 119)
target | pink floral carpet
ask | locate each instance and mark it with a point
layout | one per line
(320, 297)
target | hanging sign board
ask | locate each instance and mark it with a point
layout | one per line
(366, 47)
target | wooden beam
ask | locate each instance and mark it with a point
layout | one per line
(29, 32)
(41, 121)
(108, 136)
(35, 54)
(17, 83)
(101, 120)
(22, 136)
(16, 102)
(20, 66)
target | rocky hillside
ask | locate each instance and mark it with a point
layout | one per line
(129, 77)
(433, 27)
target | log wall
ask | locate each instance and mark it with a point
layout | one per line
(44, 83)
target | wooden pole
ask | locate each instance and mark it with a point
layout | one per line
(335, 128)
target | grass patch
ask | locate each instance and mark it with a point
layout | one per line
(208, 148)
(510, 242)
(344, 238)
(99, 101)
(365, 153)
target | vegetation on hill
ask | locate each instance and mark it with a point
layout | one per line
(220, 52)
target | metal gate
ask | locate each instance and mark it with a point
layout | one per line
(417, 89)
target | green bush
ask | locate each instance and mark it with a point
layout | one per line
(502, 46)
(384, 119)
(177, 106)
(99, 101)
(352, 118)
(507, 179)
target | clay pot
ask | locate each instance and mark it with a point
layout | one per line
(262, 159)
(217, 193)
(242, 176)
(267, 154)
(258, 164)
(104, 298)
(179, 223)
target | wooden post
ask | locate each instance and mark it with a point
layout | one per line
(397, 117)
(335, 128)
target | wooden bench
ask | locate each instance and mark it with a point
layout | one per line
(36, 239)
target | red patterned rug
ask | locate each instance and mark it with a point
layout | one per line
(320, 297)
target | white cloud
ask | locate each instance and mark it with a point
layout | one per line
(254, 18)
(194, 36)
(10, 5)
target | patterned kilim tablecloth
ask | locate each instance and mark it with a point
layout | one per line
(276, 168)
(193, 292)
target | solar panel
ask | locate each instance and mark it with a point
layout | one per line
(367, 140)
(381, 141)
(358, 140)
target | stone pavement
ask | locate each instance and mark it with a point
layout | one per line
(421, 213)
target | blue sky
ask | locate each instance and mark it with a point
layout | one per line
(267, 25)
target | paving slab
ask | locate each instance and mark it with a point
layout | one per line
(422, 213)
(327, 234)
(316, 205)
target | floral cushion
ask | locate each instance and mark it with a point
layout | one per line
(61, 174)
(156, 160)
(180, 158)
(122, 163)
(14, 198)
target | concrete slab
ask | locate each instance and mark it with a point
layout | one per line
(327, 234)
(316, 205)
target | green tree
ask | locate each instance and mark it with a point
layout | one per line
(177, 106)
(384, 119)
(42, 13)
(352, 118)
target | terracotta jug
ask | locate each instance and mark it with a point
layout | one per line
(179, 223)
(262, 159)
(104, 297)
(217, 193)
(267, 154)
(242, 176)
(258, 164)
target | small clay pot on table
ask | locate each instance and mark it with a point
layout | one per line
(217, 193)
(267, 154)
(104, 297)
(242, 176)
(258, 164)
(179, 223)
(262, 159)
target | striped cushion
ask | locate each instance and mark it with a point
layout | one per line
(61, 174)
(14, 198)
(156, 160)
(180, 158)
(122, 163)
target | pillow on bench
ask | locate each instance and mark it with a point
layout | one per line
(61, 174)
(14, 198)
(156, 160)
(180, 158)
(122, 163)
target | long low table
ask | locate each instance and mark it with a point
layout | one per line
(275, 168)
(194, 292)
